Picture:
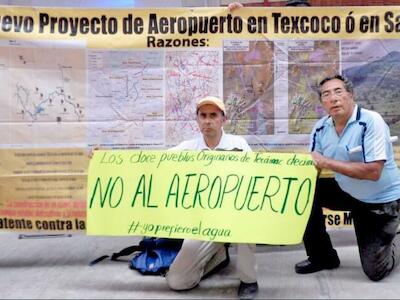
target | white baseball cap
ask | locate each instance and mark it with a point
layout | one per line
(213, 101)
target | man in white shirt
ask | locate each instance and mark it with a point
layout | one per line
(199, 259)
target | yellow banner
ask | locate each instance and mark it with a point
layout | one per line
(208, 195)
(197, 28)
(129, 78)
(43, 189)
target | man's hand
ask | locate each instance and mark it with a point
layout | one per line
(318, 160)
(354, 169)
(90, 151)
(234, 5)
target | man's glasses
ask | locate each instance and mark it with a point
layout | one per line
(325, 96)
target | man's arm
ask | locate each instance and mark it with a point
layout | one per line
(358, 170)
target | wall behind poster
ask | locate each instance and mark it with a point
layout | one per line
(72, 79)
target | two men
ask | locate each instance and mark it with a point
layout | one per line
(367, 182)
(198, 259)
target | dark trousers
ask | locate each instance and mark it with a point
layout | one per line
(375, 226)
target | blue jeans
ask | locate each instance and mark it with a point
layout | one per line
(375, 226)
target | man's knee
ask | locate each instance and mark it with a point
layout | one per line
(379, 263)
(376, 270)
(180, 282)
(375, 275)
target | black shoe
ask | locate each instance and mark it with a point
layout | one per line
(247, 290)
(309, 266)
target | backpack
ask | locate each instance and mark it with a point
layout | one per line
(153, 257)
(157, 255)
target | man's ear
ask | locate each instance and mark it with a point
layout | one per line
(353, 94)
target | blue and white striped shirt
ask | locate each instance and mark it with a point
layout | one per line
(367, 129)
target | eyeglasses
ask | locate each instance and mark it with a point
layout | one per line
(325, 95)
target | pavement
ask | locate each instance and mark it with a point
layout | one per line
(56, 267)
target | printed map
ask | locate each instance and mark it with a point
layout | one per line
(190, 75)
(43, 93)
(248, 88)
(308, 63)
(125, 98)
(60, 94)
(374, 68)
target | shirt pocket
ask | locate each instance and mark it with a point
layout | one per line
(357, 156)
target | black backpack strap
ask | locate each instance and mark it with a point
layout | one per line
(126, 251)
(99, 259)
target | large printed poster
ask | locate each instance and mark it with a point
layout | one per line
(74, 79)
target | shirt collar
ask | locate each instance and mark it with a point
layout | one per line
(220, 144)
